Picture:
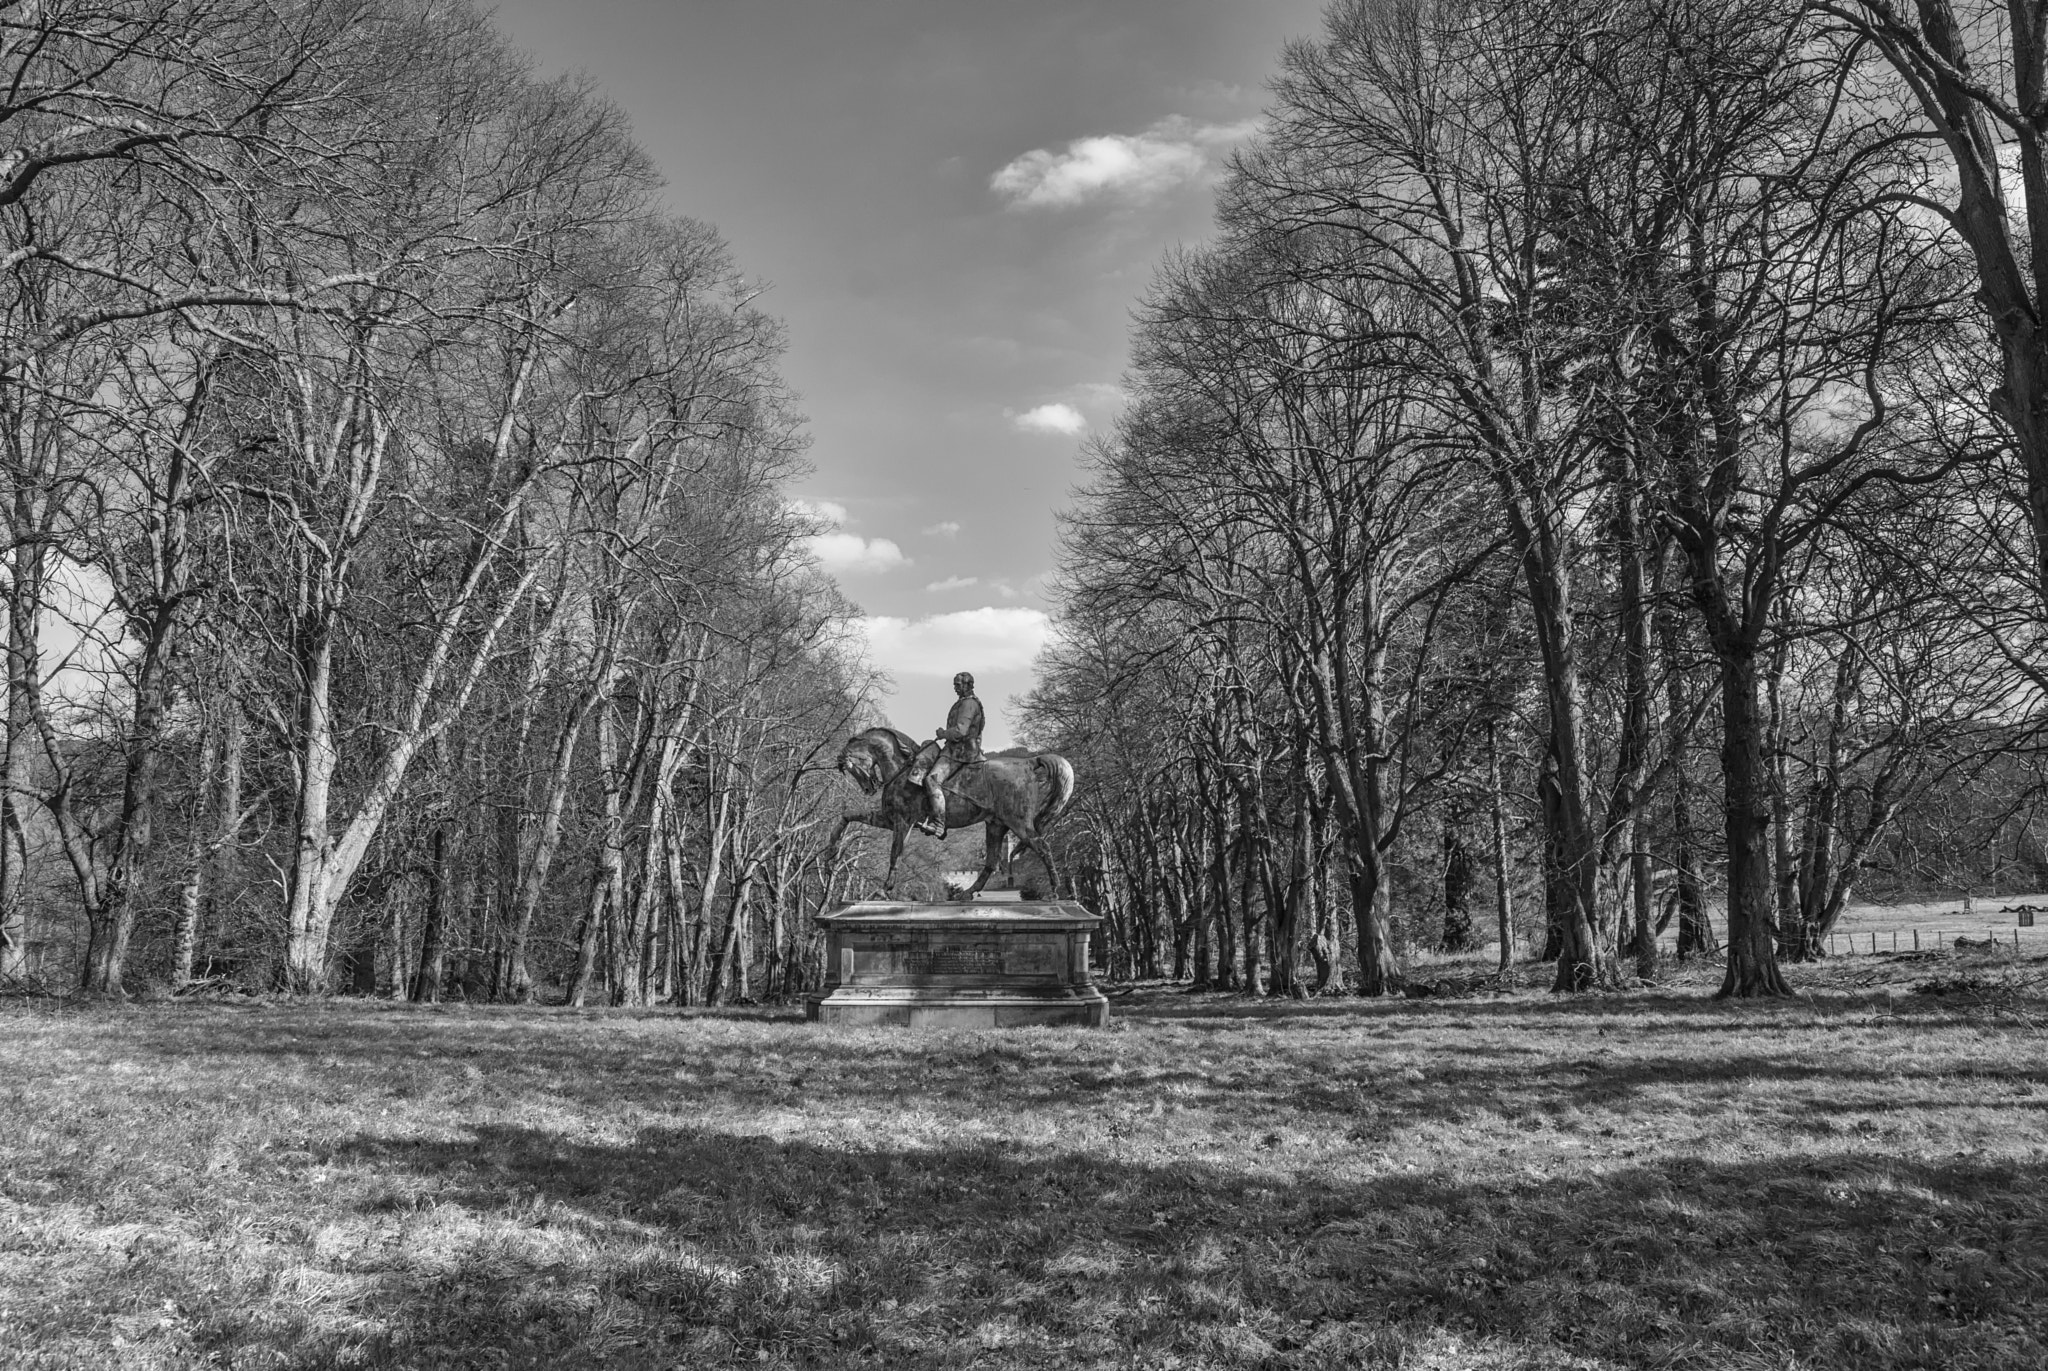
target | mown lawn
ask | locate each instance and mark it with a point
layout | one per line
(1858, 1179)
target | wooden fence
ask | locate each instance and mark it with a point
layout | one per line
(1920, 938)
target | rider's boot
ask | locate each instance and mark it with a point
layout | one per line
(934, 821)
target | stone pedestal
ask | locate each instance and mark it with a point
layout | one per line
(985, 965)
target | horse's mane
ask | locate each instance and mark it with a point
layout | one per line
(891, 747)
(905, 745)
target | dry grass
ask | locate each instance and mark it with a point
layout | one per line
(1855, 1181)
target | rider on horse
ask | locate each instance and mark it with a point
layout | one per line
(958, 745)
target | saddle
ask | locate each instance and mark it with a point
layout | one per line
(965, 782)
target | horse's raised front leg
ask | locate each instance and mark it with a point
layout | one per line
(873, 817)
(995, 833)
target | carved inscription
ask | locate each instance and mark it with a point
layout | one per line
(955, 961)
(885, 960)
(920, 956)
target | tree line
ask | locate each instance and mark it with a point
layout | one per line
(1597, 470)
(401, 592)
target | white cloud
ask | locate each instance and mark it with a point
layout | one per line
(1052, 418)
(839, 551)
(955, 583)
(992, 638)
(946, 528)
(1133, 166)
(853, 553)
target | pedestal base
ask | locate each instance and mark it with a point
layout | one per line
(1009, 965)
(856, 1009)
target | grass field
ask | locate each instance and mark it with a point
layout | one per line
(1856, 1180)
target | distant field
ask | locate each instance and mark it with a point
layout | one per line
(1854, 1180)
(1943, 921)
(1938, 923)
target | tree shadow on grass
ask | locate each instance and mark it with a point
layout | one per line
(691, 1246)
(508, 1243)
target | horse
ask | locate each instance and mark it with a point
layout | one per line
(1020, 795)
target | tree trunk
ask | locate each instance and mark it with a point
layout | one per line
(185, 931)
(774, 974)
(157, 615)
(23, 673)
(431, 970)
(605, 875)
(1220, 849)
(729, 967)
(1554, 879)
(308, 908)
(398, 943)
(1632, 771)
(1459, 878)
(1349, 750)
(1573, 871)
(1296, 901)
(707, 897)
(1378, 971)
(743, 936)
(23, 652)
(1328, 944)
(1784, 867)
(223, 847)
(1503, 888)
(533, 880)
(1645, 933)
(679, 905)
(1752, 953)
(1251, 927)
(590, 935)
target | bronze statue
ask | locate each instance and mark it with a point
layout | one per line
(1020, 795)
(958, 745)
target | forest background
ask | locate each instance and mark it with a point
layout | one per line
(1598, 470)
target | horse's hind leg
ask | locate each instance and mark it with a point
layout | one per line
(995, 833)
(895, 856)
(1028, 835)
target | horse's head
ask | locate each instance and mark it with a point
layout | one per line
(873, 755)
(857, 760)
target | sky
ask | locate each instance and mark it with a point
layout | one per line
(955, 205)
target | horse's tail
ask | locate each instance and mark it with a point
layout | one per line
(1056, 774)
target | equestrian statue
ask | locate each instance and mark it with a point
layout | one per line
(947, 784)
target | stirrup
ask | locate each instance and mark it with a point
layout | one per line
(932, 827)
